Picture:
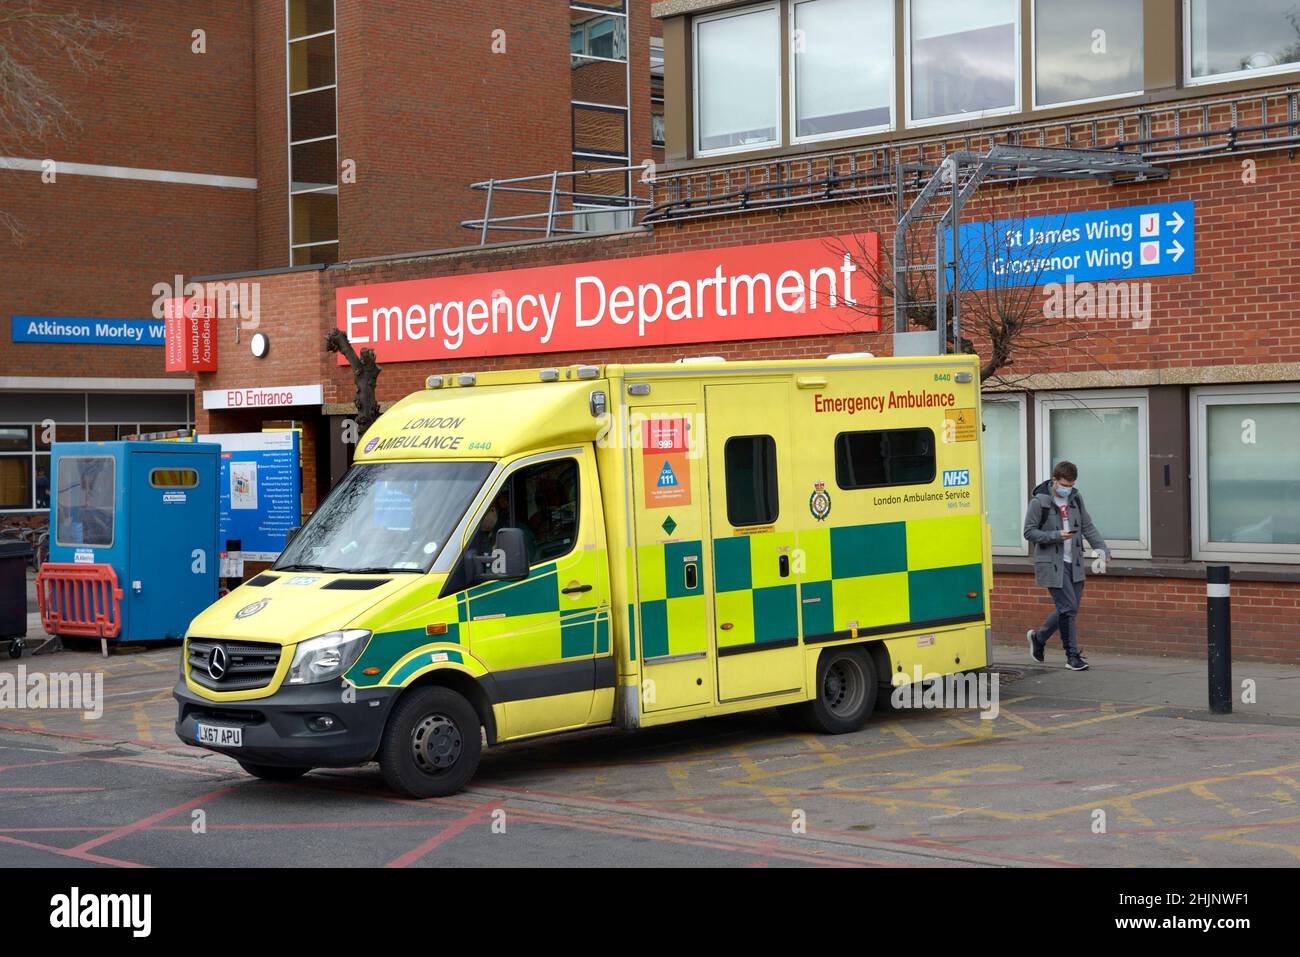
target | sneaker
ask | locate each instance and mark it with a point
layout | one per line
(1076, 663)
(1035, 646)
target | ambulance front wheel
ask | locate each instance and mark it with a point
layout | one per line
(845, 693)
(432, 743)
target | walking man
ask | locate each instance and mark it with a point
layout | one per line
(1056, 522)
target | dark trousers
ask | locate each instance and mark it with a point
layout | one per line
(1064, 616)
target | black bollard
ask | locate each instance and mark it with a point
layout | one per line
(1219, 632)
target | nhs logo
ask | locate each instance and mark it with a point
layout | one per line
(953, 477)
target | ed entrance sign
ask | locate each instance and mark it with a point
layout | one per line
(774, 290)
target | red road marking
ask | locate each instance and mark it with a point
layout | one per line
(144, 823)
(64, 852)
(446, 834)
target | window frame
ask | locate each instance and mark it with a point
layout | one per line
(774, 475)
(498, 482)
(1045, 402)
(1236, 75)
(772, 6)
(1034, 105)
(912, 123)
(54, 505)
(296, 248)
(1252, 394)
(934, 454)
(792, 86)
(1022, 403)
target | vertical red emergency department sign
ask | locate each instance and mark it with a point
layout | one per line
(664, 457)
(190, 335)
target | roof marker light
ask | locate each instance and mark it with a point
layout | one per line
(465, 378)
(433, 382)
(688, 360)
(588, 372)
(851, 355)
(549, 375)
(638, 388)
(962, 377)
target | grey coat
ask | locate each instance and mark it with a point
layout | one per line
(1043, 529)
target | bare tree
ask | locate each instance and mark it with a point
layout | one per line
(999, 271)
(365, 374)
(32, 109)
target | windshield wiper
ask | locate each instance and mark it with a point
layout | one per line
(381, 570)
(308, 568)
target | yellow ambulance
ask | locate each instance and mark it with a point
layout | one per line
(521, 553)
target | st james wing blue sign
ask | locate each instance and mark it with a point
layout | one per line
(1133, 242)
(125, 332)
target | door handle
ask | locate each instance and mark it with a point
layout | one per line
(574, 589)
(692, 576)
(783, 564)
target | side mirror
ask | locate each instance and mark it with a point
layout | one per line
(508, 560)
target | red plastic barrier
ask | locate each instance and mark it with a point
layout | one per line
(79, 600)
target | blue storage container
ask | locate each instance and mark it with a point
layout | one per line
(149, 510)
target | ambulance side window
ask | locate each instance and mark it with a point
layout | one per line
(886, 457)
(542, 501)
(750, 462)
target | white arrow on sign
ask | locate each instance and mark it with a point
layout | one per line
(1176, 250)
(1176, 222)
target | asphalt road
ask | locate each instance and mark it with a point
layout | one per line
(1124, 745)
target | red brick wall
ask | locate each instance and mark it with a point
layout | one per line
(1165, 616)
(426, 108)
(95, 246)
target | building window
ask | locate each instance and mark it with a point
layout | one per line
(1086, 51)
(1246, 473)
(86, 501)
(1006, 494)
(963, 59)
(313, 132)
(1105, 435)
(842, 67)
(25, 442)
(737, 80)
(599, 63)
(657, 137)
(1230, 40)
(750, 463)
(886, 457)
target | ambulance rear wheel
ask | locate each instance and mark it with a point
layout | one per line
(271, 772)
(845, 693)
(432, 743)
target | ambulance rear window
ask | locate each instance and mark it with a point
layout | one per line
(751, 480)
(885, 457)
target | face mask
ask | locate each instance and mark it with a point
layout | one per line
(1061, 490)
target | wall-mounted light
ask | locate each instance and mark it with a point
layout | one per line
(260, 344)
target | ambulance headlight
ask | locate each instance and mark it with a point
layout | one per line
(326, 656)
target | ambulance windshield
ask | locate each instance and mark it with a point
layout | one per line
(386, 517)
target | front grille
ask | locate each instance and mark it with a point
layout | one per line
(248, 664)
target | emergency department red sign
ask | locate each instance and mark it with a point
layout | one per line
(776, 290)
(190, 335)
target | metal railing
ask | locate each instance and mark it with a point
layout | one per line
(1168, 133)
(564, 199)
(1176, 132)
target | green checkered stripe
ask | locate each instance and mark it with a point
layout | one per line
(673, 616)
(538, 594)
(874, 577)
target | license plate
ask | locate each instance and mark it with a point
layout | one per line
(218, 736)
